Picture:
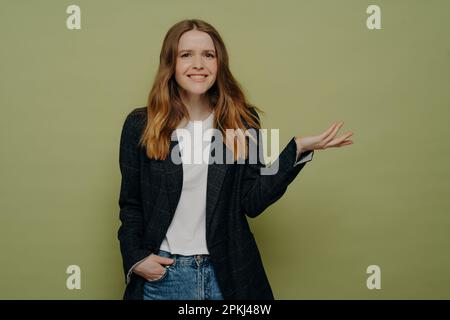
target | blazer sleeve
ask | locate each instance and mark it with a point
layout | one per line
(131, 230)
(262, 190)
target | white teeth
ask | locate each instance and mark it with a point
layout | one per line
(197, 76)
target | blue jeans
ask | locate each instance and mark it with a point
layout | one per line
(188, 278)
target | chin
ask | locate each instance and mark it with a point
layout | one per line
(197, 90)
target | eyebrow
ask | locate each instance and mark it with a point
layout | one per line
(189, 50)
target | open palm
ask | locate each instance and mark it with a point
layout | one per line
(324, 140)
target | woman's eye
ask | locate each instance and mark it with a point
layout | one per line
(208, 55)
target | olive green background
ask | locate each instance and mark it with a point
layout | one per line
(381, 201)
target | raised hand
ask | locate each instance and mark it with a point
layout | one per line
(324, 140)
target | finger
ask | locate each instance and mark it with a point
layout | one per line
(156, 275)
(159, 272)
(336, 141)
(345, 143)
(340, 144)
(333, 133)
(345, 136)
(328, 131)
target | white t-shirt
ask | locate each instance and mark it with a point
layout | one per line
(186, 234)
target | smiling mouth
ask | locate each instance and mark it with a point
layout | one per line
(198, 78)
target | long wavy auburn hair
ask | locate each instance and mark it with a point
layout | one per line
(165, 109)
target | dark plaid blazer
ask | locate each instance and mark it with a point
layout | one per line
(149, 194)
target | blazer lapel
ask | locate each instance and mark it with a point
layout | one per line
(174, 179)
(216, 175)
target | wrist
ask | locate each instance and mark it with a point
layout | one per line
(299, 146)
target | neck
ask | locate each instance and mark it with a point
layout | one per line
(197, 105)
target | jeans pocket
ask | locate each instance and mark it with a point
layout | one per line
(166, 271)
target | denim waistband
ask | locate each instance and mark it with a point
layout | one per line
(195, 260)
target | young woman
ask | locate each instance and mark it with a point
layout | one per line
(184, 232)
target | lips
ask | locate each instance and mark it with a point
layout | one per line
(197, 77)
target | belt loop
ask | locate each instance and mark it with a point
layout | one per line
(197, 260)
(174, 257)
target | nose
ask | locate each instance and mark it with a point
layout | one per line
(198, 63)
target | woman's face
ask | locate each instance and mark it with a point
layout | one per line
(196, 64)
